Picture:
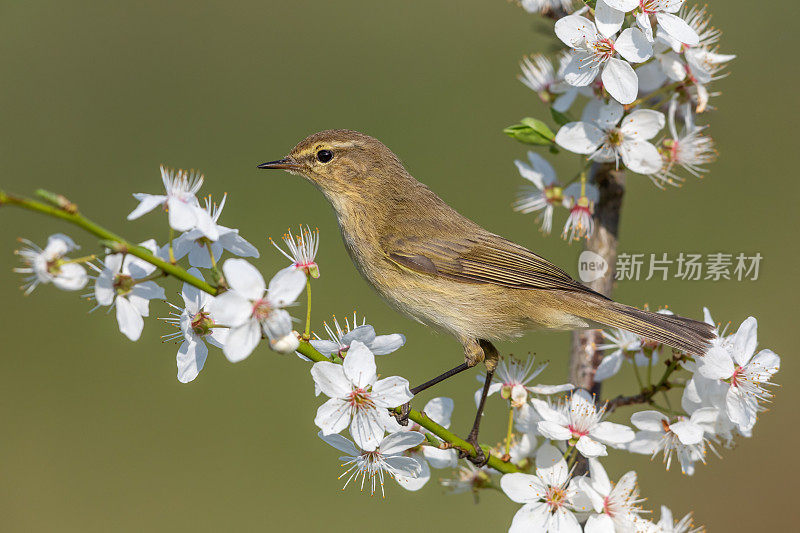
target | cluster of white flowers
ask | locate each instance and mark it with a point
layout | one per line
(642, 65)
(236, 321)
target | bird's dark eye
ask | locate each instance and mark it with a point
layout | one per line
(324, 156)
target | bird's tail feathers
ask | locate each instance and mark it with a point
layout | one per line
(684, 334)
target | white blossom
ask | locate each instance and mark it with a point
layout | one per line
(622, 345)
(180, 202)
(745, 373)
(550, 497)
(601, 136)
(200, 248)
(545, 194)
(386, 459)
(195, 326)
(251, 309)
(690, 150)
(580, 198)
(512, 377)
(611, 12)
(357, 397)
(682, 436)
(51, 265)
(121, 284)
(340, 337)
(581, 424)
(302, 250)
(616, 505)
(594, 52)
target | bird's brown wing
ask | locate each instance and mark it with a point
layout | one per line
(482, 259)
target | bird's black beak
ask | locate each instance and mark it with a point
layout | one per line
(286, 163)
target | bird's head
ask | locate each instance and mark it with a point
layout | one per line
(347, 166)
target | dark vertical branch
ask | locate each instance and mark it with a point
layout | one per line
(584, 356)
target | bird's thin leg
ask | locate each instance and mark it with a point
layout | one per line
(438, 379)
(490, 359)
(479, 459)
(402, 416)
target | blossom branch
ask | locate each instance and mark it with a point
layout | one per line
(452, 440)
(68, 212)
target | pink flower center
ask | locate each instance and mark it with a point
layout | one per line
(736, 378)
(556, 497)
(604, 48)
(577, 433)
(360, 399)
(202, 323)
(261, 309)
(607, 507)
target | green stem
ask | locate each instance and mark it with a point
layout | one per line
(510, 429)
(307, 333)
(98, 231)
(171, 250)
(415, 416)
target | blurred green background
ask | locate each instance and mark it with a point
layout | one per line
(98, 435)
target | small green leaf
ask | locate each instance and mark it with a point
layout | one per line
(531, 131)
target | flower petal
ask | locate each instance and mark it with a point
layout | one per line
(191, 358)
(608, 19)
(609, 366)
(522, 488)
(343, 444)
(678, 28)
(359, 365)
(745, 341)
(286, 286)
(330, 379)
(332, 417)
(590, 447)
(643, 124)
(182, 216)
(640, 156)
(242, 340)
(633, 46)
(390, 392)
(716, 364)
(649, 420)
(386, 344)
(612, 433)
(440, 458)
(231, 309)
(129, 320)
(244, 278)
(574, 30)
(409, 482)
(147, 202)
(401, 441)
(439, 410)
(579, 137)
(366, 428)
(620, 81)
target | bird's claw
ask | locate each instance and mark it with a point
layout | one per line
(479, 459)
(402, 415)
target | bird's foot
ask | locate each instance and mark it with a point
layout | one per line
(402, 415)
(480, 458)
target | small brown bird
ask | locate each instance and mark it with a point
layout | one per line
(444, 270)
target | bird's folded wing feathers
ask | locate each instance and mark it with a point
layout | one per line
(479, 260)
